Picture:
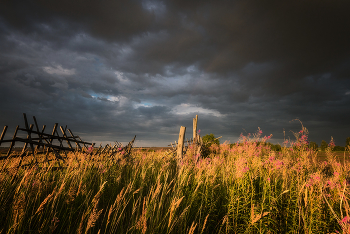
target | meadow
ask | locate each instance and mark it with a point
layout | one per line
(243, 187)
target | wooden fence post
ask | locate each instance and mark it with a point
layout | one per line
(29, 131)
(37, 129)
(181, 143)
(195, 124)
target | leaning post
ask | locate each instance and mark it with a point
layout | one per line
(180, 143)
(3, 133)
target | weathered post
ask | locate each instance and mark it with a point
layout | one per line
(195, 124)
(180, 143)
(29, 131)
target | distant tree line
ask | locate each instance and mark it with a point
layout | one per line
(325, 145)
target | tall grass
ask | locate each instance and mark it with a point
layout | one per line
(239, 188)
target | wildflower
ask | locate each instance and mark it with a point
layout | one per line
(278, 164)
(331, 143)
(241, 167)
(345, 220)
(330, 184)
(314, 179)
(245, 169)
(89, 150)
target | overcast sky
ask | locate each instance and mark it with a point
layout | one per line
(118, 68)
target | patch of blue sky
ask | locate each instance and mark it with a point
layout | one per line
(143, 104)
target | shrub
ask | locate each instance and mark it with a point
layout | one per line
(324, 145)
(338, 148)
(313, 145)
(208, 141)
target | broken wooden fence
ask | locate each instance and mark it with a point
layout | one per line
(38, 140)
(110, 151)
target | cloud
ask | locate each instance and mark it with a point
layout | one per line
(58, 70)
(118, 68)
(186, 108)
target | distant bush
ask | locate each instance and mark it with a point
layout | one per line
(273, 147)
(277, 147)
(313, 145)
(209, 140)
(338, 148)
(324, 145)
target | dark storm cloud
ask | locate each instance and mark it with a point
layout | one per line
(110, 20)
(114, 69)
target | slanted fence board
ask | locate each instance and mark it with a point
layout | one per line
(12, 142)
(3, 133)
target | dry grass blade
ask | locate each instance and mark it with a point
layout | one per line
(173, 207)
(93, 218)
(256, 218)
(80, 229)
(192, 228)
(142, 223)
(205, 222)
(98, 194)
(41, 207)
(117, 201)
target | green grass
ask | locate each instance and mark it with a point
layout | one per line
(246, 188)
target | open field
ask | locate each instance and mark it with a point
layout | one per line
(244, 188)
(320, 155)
